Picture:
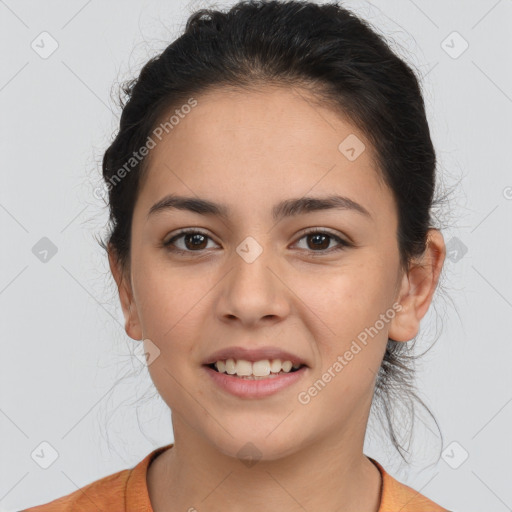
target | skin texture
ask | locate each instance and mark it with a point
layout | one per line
(249, 150)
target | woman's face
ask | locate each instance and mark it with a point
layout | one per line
(256, 280)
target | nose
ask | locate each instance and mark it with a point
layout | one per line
(253, 291)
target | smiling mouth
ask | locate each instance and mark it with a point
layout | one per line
(246, 373)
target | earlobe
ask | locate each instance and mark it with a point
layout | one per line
(417, 289)
(131, 317)
(132, 323)
(404, 325)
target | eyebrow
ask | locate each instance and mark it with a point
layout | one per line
(286, 208)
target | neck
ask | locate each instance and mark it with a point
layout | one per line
(332, 474)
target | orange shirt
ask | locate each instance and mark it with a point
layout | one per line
(126, 491)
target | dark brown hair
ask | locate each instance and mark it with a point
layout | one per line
(339, 58)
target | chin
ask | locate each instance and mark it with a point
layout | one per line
(256, 444)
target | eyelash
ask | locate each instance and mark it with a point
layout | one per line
(342, 243)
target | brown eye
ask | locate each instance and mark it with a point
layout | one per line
(319, 241)
(193, 241)
(197, 241)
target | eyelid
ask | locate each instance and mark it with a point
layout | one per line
(327, 231)
(343, 241)
(186, 231)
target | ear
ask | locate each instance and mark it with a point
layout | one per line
(417, 288)
(131, 317)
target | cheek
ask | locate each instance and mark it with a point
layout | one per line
(169, 303)
(173, 304)
(349, 319)
(347, 297)
(350, 339)
(166, 295)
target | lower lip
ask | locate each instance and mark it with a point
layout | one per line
(245, 388)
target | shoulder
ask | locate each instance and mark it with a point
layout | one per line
(113, 492)
(398, 496)
(107, 491)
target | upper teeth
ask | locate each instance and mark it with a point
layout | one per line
(259, 368)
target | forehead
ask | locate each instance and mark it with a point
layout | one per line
(251, 147)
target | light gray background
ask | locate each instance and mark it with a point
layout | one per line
(68, 376)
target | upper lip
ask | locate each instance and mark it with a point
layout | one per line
(253, 354)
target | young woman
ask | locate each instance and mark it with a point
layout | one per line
(270, 190)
